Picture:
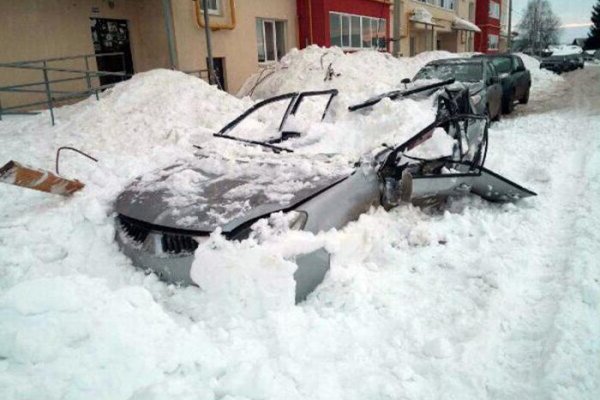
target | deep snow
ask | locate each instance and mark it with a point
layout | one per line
(476, 301)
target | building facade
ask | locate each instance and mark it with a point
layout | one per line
(246, 35)
(488, 18)
(357, 24)
(349, 24)
(504, 21)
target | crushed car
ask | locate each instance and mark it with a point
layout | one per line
(478, 74)
(163, 216)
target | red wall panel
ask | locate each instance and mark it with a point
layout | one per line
(319, 9)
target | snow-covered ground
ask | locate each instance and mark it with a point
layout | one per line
(477, 301)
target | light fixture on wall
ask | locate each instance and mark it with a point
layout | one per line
(111, 3)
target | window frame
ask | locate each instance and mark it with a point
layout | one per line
(494, 10)
(212, 11)
(274, 22)
(363, 19)
(449, 5)
(489, 42)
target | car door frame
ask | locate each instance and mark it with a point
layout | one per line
(521, 78)
(494, 91)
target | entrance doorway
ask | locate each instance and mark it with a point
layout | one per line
(110, 36)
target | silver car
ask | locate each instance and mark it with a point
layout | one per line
(163, 216)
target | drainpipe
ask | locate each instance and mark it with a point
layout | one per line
(509, 25)
(397, 18)
(211, 65)
(166, 5)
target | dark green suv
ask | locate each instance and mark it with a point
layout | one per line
(514, 77)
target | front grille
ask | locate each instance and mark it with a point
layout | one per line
(133, 230)
(172, 243)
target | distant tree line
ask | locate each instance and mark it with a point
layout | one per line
(593, 39)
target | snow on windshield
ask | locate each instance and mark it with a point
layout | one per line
(462, 72)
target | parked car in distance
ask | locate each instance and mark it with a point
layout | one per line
(478, 74)
(556, 64)
(576, 60)
(514, 78)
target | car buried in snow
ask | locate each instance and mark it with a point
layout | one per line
(478, 74)
(161, 217)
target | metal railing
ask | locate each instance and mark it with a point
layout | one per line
(47, 85)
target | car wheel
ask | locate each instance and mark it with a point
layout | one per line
(525, 98)
(508, 105)
(496, 117)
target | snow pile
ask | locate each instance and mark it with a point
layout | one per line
(356, 75)
(476, 301)
(152, 106)
(565, 50)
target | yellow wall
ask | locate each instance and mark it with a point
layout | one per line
(450, 39)
(37, 29)
(238, 46)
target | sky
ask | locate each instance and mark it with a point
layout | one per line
(574, 15)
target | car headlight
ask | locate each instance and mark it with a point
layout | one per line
(298, 220)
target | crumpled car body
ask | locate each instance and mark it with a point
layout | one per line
(163, 216)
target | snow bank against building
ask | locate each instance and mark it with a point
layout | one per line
(356, 75)
(153, 106)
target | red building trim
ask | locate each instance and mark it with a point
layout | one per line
(489, 25)
(313, 17)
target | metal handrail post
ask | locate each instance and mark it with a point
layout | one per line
(123, 65)
(48, 93)
(87, 77)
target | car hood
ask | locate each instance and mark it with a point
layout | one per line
(212, 191)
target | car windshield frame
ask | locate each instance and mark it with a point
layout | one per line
(495, 61)
(451, 65)
(295, 100)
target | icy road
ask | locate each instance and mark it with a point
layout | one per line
(480, 301)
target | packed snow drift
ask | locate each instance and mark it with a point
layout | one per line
(472, 301)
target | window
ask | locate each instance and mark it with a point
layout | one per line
(472, 12)
(357, 32)
(494, 10)
(270, 40)
(492, 42)
(213, 6)
(448, 4)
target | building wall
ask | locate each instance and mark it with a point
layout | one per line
(37, 29)
(487, 24)
(449, 39)
(313, 17)
(238, 46)
(505, 10)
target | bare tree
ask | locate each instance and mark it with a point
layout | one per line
(539, 26)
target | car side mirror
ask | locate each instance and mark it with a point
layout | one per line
(405, 81)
